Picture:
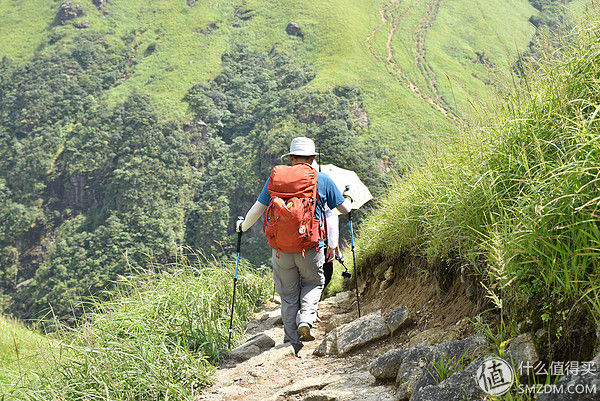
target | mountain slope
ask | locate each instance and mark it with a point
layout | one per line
(95, 175)
(512, 206)
(175, 45)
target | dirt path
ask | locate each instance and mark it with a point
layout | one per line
(421, 52)
(277, 375)
(391, 16)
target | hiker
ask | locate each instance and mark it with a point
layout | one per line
(298, 274)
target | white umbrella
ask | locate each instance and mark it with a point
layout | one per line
(343, 178)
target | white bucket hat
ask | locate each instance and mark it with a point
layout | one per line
(302, 146)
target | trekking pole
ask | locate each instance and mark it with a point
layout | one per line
(353, 253)
(237, 263)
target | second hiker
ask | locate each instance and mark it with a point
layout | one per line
(294, 198)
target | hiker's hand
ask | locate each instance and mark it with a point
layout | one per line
(238, 225)
(331, 252)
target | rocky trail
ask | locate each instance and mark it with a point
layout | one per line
(384, 355)
(391, 17)
(276, 374)
(411, 325)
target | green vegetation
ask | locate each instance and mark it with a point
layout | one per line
(92, 172)
(148, 131)
(252, 111)
(97, 185)
(443, 368)
(514, 202)
(173, 46)
(21, 352)
(74, 176)
(159, 337)
(24, 26)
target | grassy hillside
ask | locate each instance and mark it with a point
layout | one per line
(159, 337)
(174, 46)
(21, 352)
(24, 26)
(513, 204)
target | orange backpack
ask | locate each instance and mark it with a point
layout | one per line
(290, 224)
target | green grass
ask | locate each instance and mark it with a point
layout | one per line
(499, 30)
(21, 351)
(515, 198)
(159, 338)
(24, 26)
(335, 33)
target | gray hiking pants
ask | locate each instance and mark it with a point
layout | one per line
(299, 282)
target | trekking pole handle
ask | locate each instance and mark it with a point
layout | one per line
(346, 190)
(239, 241)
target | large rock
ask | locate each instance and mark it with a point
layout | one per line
(309, 383)
(338, 320)
(294, 29)
(83, 24)
(409, 378)
(583, 385)
(521, 350)
(399, 319)
(267, 321)
(454, 353)
(329, 344)
(252, 347)
(412, 371)
(358, 386)
(386, 366)
(360, 332)
(461, 386)
(353, 335)
(100, 4)
(342, 299)
(68, 11)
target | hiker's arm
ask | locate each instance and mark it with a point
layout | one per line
(333, 229)
(335, 198)
(333, 234)
(257, 210)
(345, 207)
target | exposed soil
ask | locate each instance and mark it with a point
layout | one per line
(421, 52)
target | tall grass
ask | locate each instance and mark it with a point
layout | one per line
(20, 352)
(517, 198)
(159, 338)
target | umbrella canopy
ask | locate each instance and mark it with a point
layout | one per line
(343, 178)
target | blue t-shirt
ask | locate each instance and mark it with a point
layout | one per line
(328, 192)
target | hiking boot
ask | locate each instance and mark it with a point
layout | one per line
(304, 332)
(297, 348)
